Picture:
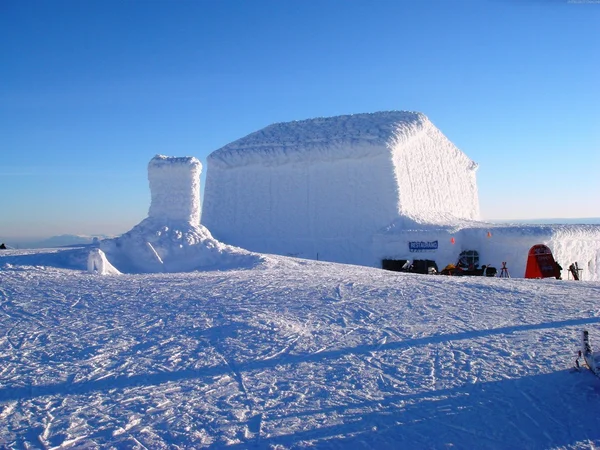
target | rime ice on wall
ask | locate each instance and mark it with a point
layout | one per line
(171, 238)
(175, 188)
(321, 188)
(436, 181)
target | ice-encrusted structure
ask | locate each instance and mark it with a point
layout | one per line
(321, 188)
(171, 238)
(494, 243)
(368, 187)
(174, 188)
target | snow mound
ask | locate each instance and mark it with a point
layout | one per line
(97, 263)
(171, 246)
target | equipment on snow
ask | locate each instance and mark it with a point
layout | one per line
(591, 359)
(574, 269)
(504, 271)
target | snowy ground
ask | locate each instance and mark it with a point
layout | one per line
(291, 354)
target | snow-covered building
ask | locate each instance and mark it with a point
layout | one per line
(491, 244)
(368, 188)
(321, 188)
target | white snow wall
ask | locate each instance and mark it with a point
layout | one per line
(322, 211)
(174, 189)
(321, 188)
(498, 243)
(436, 181)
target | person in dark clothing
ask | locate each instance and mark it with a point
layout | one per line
(557, 270)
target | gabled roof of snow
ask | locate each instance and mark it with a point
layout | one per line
(323, 138)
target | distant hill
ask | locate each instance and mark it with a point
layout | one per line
(584, 221)
(63, 240)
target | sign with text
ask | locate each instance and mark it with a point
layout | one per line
(422, 246)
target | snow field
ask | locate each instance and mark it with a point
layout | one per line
(293, 353)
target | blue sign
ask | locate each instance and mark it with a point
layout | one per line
(422, 246)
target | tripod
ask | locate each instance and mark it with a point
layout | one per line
(504, 272)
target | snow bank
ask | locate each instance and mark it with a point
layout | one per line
(321, 188)
(60, 258)
(170, 246)
(171, 238)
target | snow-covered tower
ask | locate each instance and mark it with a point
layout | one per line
(171, 238)
(321, 188)
(175, 188)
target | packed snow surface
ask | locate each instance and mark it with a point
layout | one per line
(325, 186)
(290, 353)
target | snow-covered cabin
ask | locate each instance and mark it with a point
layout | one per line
(321, 188)
(369, 189)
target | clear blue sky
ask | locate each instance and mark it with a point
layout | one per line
(91, 90)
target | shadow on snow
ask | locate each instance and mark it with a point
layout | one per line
(511, 413)
(122, 382)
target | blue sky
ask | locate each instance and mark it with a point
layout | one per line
(91, 90)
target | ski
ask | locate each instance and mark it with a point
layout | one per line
(591, 358)
(574, 269)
